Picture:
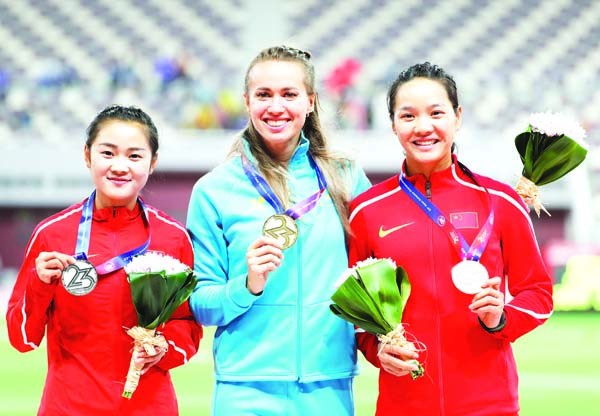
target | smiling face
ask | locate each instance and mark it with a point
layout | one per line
(120, 161)
(425, 124)
(278, 103)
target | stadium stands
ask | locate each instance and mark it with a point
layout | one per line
(61, 61)
(514, 56)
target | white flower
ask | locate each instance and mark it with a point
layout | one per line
(345, 275)
(556, 124)
(153, 261)
(352, 271)
(371, 260)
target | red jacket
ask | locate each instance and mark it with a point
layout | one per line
(88, 348)
(468, 371)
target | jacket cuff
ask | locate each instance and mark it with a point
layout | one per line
(498, 327)
(239, 293)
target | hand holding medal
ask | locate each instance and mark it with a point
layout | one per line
(263, 256)
(488, 303)
(78, 276)
(49, 265)
(282, 225)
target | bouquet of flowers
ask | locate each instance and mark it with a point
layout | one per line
(159, 285)
(372, 295)
(551, 147)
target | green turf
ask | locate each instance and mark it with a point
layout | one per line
(559, 366)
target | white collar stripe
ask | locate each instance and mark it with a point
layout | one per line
(372, 201)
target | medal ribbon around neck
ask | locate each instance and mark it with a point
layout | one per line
(83, 239)
(458, 242)
(266, 192)
(282, 225)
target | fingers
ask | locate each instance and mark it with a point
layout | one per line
(264, 240)
(396, 366)
(491, 303)
(489, 296)
(488, 304)
(404, 353)
(53, 259)
(493, 283)
(263, 256)
(396, 360)
(145, 360)
(151, 361)
(263, 262)
(49, 265)
(264, 249)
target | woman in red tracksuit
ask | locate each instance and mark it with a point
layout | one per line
(468, 246)
(88, 347)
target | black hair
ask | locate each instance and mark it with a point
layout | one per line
(430, 71)
(424, 70)
(132, 114)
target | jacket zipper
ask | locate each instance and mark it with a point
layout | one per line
(437, 324)
(299, 309)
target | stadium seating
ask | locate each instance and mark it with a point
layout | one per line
(509, 58)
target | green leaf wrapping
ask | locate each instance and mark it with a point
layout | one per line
(354, 301)
(148, 294)
(379, 279)
(361, 323)
(376, 300)
(404, 284)
(547, 159)
(156, 295)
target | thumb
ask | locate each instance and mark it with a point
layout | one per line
(494, 283)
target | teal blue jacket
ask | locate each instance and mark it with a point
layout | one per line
(287, 332)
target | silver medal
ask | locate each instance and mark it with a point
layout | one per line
(79, 278)
(468, 276)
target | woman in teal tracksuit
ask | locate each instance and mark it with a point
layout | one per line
(266, 279)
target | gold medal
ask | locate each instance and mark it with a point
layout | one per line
(469, 275)
(79, 278)
(283, 228)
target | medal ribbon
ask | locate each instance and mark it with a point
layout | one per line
(458, 242)
(83, 239)
(266, 192)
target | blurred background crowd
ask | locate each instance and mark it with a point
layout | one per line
(183, 60)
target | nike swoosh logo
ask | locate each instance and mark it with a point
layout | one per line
(384, 233)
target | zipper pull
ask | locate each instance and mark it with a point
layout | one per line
(428, 189)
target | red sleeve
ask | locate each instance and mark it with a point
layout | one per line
(529, 285)
(359, 250)
(182, 332)
(30, 302)
(367, 343)
(358, 247)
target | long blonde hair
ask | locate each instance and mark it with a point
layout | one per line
(334, 167)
